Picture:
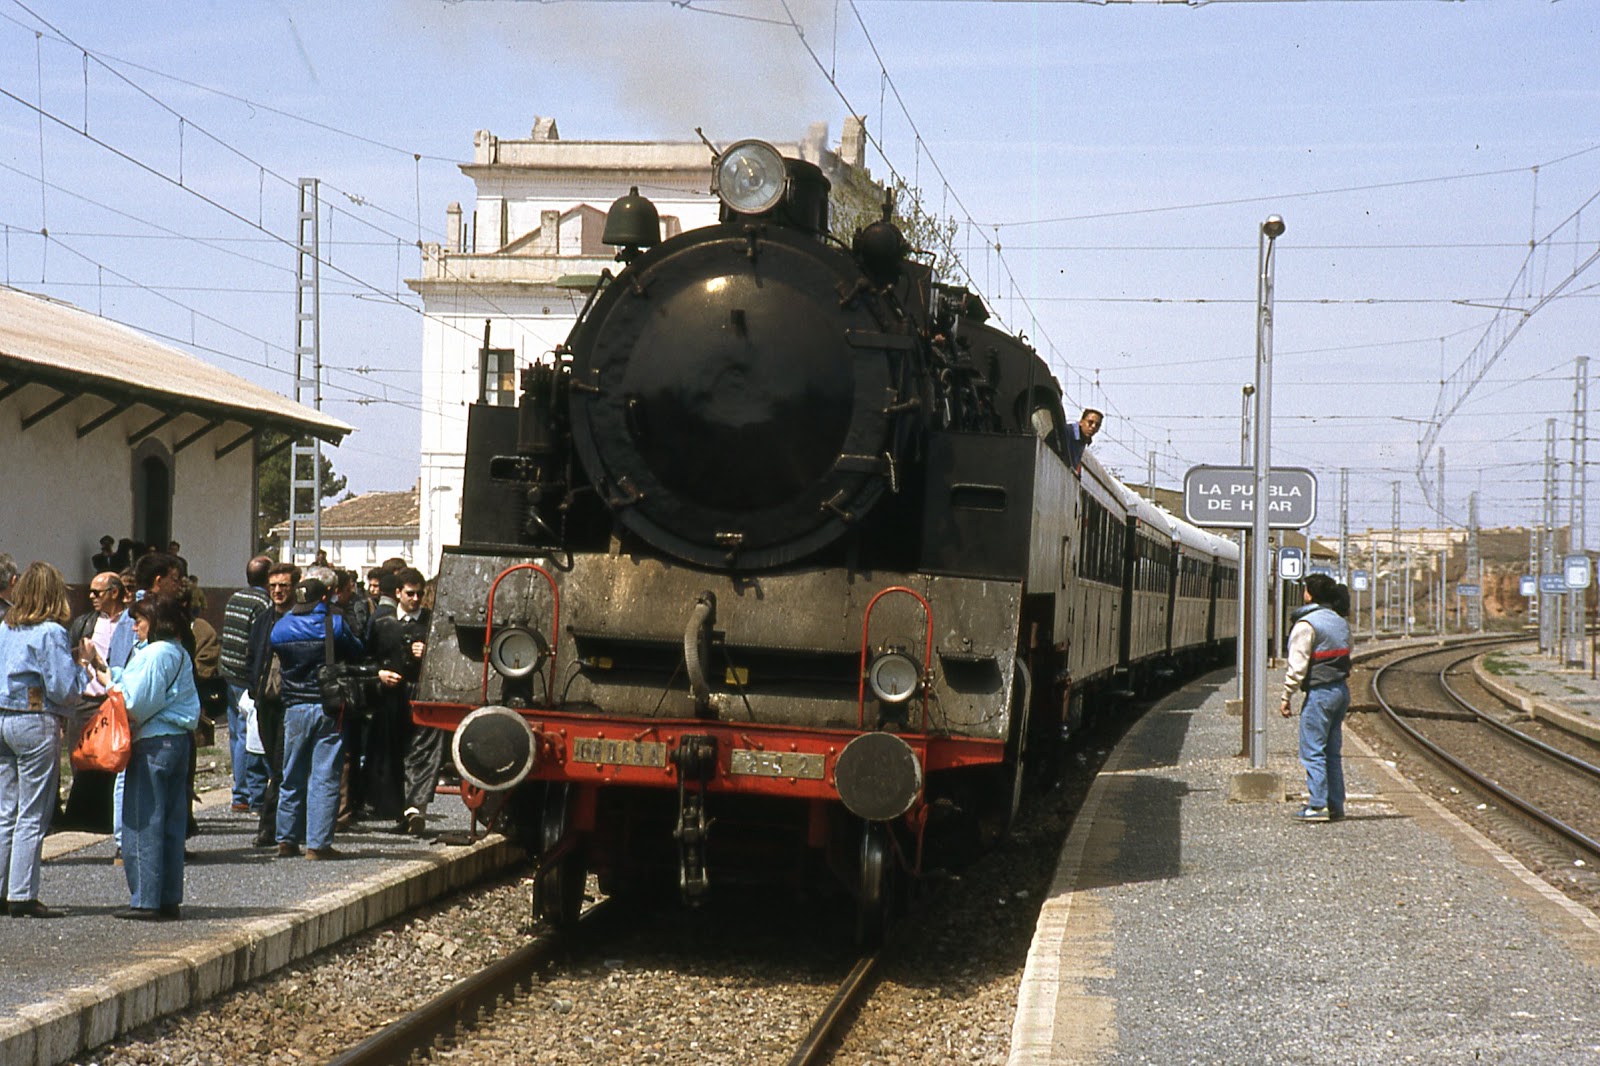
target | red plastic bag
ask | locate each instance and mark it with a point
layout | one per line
(106, 742)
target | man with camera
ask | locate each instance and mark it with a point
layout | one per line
(315, 648)
(405, 765)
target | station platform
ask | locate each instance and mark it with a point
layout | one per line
(1185, 928)
(75, 982)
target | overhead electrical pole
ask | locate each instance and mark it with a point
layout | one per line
(1576, 499)
(1549, 610)
(1394, 560)
(305, 457)
(1474, 567)
(1344, 523)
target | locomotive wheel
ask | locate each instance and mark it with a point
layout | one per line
(874, 894)
(558, 893)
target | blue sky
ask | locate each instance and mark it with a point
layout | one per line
(1121, 155)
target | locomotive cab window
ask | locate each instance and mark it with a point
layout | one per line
(499, 376)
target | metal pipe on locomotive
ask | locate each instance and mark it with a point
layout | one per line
(775, 569)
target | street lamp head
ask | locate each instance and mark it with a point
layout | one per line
(1272, 227)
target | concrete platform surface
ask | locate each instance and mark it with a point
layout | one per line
(1184, 928)
(75, 982)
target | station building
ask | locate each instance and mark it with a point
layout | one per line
(105, 431)
(508, 284)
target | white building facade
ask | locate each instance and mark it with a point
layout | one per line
(519, 267)
(360, 532)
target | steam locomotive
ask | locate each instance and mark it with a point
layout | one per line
(778, 568)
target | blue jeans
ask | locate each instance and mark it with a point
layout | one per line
(155, 816)
(30, 772)
(313, 762)
(1322, 745)
(249, 771)
(118, 791)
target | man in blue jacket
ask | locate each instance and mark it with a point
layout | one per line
(313, 746)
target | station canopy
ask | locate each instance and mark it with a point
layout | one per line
(50, 343)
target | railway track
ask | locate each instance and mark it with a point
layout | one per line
(471, 1003)
(1493, 757)
(836, 1016)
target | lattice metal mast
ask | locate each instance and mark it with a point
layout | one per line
(1395, 558)
(305, 457)
(1474, 566)
(1548, 617)
(1344, 523)
(1577, 499)
(1503, 328)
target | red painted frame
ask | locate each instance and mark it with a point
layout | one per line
(556, 732)
(555, 627)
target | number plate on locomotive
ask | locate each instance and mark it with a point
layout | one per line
(619, 752)
(776, 764)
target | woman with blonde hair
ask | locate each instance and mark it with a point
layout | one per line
(40, 684)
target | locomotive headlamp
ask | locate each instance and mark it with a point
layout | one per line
(878, 777)
(893, 676)
(494, 748)
(750, 177)
(515, 652)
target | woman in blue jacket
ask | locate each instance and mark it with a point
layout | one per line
(163, 709)
(39, 687)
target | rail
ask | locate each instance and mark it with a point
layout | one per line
(1505, 795)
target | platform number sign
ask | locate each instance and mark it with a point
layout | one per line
(1528, 585)
(1291, 564)
(1360, 580)
(1576, 570)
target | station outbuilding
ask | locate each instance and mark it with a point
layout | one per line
(360, 532)
(106, 431)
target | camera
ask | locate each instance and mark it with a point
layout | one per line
(346, 686)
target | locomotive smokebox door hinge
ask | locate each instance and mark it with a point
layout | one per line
(837, 505)
(625, 494)
(696, 760)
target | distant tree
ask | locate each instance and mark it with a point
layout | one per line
(272, 486)
(859, 202)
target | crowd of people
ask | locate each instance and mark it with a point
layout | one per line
(311, 672)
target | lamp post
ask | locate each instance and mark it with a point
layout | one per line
(1239, 643)
(1270, 231)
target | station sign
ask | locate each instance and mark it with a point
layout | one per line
(1528, 586)
(1468, 590)
(1360, 580)
(1550, 583)
(1575, 569)
(1224, 496)
(1291, 564)
(1319, 568)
